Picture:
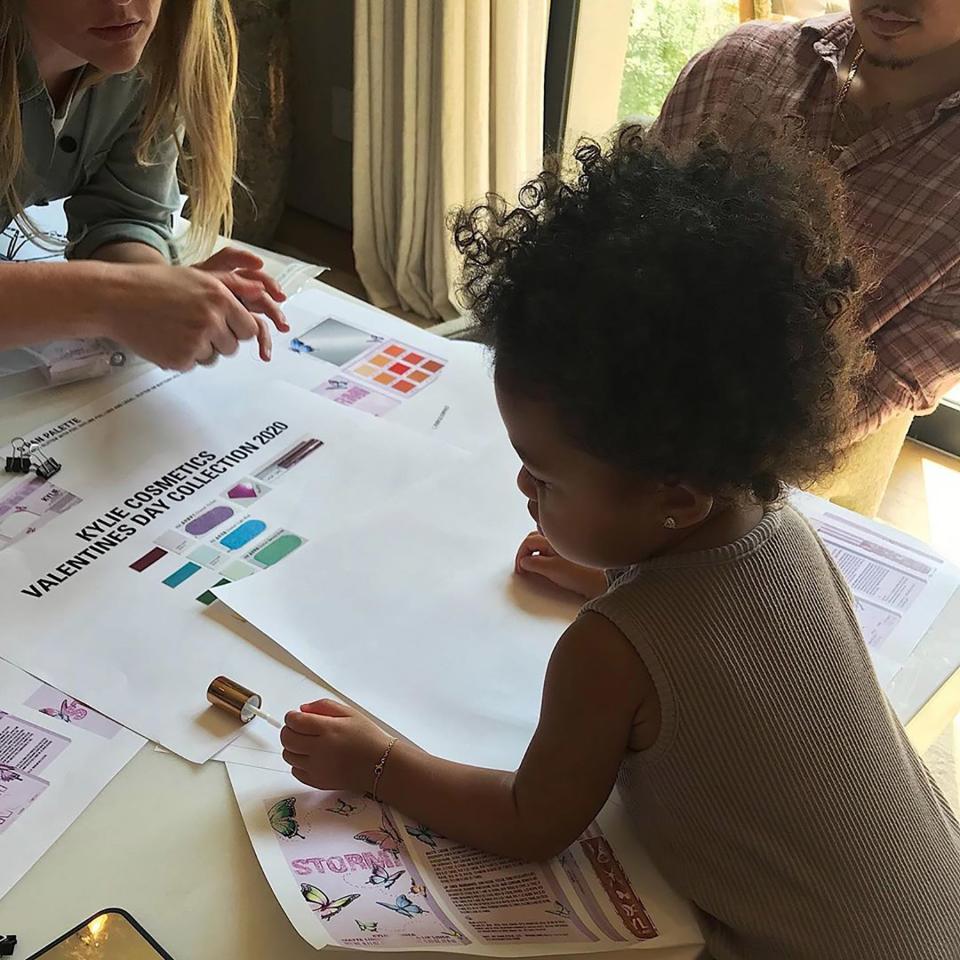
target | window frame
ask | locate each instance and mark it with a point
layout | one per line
(940, 429)
(558, 70)
(584, 67)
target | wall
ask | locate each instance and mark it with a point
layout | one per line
(321, 167)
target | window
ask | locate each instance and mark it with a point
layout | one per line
(664, 35)
(608, 60)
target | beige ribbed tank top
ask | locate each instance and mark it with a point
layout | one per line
(782, 796)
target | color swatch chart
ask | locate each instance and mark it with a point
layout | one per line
(381, 371)
(394, 366)
(225, 536)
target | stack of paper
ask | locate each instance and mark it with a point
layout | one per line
(56, 755)
(350, 872)
(182, 485)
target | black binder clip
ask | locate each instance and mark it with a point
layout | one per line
(7, 945)
(46, 466)
(20, 461)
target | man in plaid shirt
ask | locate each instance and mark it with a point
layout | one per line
(878, 93)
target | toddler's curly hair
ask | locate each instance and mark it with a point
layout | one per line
(690, 317)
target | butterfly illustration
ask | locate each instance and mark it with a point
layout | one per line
(424, 834)
(326, 907)
(8, 774)
(69, 710)
(385, 839)
(417, 889)
(559, 910)
(404, 906)
(342, 808)
(283, 819)
(370, 927)
(383, 876)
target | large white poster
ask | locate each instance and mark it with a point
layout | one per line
(168, 489)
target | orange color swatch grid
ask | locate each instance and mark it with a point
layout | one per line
(396, 368)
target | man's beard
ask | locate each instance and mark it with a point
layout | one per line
(888, 63)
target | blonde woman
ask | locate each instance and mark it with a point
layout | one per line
(97, 98)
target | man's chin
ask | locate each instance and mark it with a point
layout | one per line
(885, 61)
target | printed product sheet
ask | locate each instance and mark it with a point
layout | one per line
(351, 872)
(899, 584)
(169, 488)
(421, 619)
(354, 355)
(56, 755)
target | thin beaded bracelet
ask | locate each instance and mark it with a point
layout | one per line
(378, 770)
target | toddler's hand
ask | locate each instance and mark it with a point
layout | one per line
(536, 556)
(331, 746)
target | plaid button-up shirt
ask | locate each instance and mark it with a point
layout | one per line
(902, 182)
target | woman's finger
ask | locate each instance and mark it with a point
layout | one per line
(263, 304)
(264, 340)
(255, 299)
(240, 286)
(269, 284)
(223, 340)
(240, 320)
(232, 258)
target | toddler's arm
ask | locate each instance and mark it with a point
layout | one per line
(537, 557)
(594, 686)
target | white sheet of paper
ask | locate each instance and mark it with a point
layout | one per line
(480, 906)
(56, 751)
(143, 644)
(900, 584)
(421, 602)
(456, 405)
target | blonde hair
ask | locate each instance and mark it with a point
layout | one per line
(190, 64)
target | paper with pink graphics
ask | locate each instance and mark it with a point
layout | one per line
(53, 763)
(29, 504)
(26, 746)
(351, 872)
(17, 791)
(54, 703)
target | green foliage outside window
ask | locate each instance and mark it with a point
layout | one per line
(664, 35)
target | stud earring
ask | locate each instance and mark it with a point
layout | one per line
(670, 523)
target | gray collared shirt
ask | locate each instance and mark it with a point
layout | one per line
(92, 162)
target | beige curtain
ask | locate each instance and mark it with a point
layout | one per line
(448, 106)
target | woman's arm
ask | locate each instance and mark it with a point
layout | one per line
(128, 251)
(594, 686)
(52, 301)
(175, 317)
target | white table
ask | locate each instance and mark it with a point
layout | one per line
(164, 840)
